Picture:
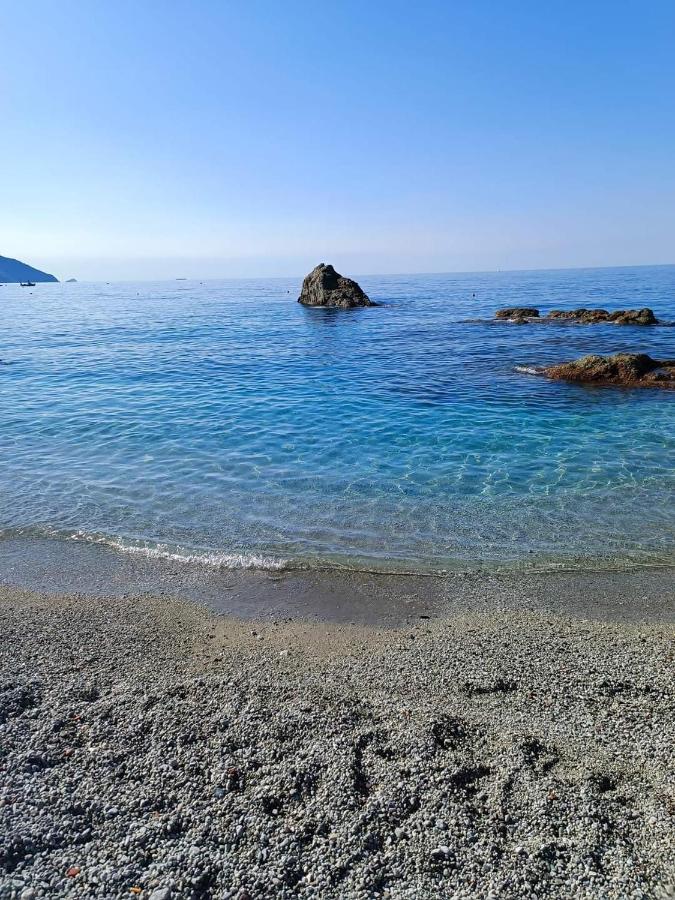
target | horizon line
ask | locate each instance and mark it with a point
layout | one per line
(358, 274)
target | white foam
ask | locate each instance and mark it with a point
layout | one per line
(212, 559)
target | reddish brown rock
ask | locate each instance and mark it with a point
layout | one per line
(585, 316)
(627, 369)
(633, 317)
(517, 313)
(582, 316)
(618, 317)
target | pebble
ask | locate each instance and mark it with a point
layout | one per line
(163, 893)
(225, 780)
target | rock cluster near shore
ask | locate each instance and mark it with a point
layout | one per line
(582, 316)
(326, 287)
(629, 369)
(618, 317)
(517, 312)
(622, 369)
(152, 750)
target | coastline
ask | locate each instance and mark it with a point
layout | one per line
(636, 593)
(502, 751)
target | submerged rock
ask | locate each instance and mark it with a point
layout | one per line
(629, 369)
(517, 312)
(326, 287)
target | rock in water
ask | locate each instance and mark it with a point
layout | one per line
(618, 317)
(628, 369)
(517, 312)
(633, 317)
(326, 287)
(583, 315)
(523, 314)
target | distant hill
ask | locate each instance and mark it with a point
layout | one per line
(12, 270)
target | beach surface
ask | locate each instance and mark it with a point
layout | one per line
(151, 747)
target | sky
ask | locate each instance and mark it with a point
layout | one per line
(166, 138)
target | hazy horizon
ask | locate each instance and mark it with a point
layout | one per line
(152, 141)
(300, 275)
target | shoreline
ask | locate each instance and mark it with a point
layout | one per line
(336, 595)
(153, 744)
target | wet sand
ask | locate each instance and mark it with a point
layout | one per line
(627, 595)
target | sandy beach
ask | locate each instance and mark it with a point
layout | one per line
(152, 748)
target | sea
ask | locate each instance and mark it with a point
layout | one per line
(221, 424)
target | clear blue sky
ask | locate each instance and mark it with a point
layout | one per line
(146, 139)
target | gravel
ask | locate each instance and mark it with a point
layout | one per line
(149, 748)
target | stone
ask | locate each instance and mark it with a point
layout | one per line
(162, 893)
(592, 316)
(629, 369)
(633, 317)
(583, 315)
(517, 312)
(326, 287)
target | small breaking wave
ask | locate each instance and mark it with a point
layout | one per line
(185, 556)
(210, 558)
(528, 370)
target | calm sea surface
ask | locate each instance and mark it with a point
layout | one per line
(223, 421)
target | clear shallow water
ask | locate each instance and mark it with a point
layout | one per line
(225, 422)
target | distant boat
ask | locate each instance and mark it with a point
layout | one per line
(27, 284)
(181, 279)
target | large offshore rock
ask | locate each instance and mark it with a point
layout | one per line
(326, 287)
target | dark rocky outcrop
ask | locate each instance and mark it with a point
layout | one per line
(628, 369)
(517, 312)
(618, 317)
(582, 316)
(12, 270)
(326, 287)
(633, 317)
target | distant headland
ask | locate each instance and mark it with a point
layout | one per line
(12, 270)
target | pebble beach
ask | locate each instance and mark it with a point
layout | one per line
(153, 749)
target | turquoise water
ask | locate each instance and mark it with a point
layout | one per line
(224, 422)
